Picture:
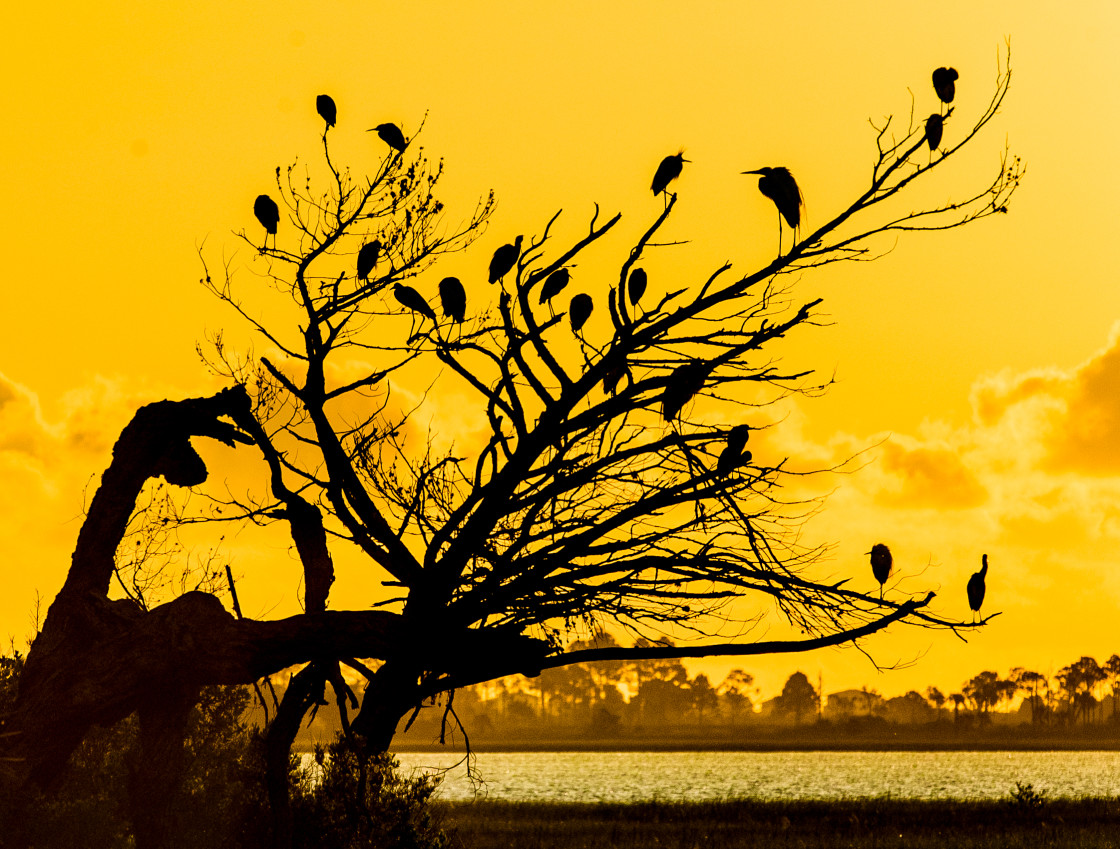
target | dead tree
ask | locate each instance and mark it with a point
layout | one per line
(605, 492)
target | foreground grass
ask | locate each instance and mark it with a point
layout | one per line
(858, 824)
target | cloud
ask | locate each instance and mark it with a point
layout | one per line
(23, 430)
(936, 478)
(1076, 412)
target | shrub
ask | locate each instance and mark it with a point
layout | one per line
(349, 800)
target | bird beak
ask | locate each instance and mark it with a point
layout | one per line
(750, 172)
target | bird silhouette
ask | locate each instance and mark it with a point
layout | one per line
(976, 587)
(412, 299)
(637, 285)
(684, 382)
(935, 126)
(778, 185)
(504, 259)
(367, 258)
(733, 454)
(453, 298)
(667, 171)
(324, 105)
(945, 83)
(580, 310)
(881, 563)
(554, 285)
(390, 134)
(267, 212)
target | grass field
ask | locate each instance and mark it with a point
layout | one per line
(1025, 821)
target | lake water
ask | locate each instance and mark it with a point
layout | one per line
(705, 776)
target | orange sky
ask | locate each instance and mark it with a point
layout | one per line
(980, 366)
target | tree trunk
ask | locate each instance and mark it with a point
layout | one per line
(392, 692)
(299, 695)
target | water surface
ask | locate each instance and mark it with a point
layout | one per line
(706, 776)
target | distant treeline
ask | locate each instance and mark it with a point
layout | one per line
(618, 696)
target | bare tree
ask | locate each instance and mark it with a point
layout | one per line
(601, 494)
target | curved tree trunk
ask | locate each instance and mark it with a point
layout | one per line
(98, 660)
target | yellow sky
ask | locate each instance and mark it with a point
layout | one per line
(981, 362)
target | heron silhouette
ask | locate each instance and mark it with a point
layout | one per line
(324, 105)
(778, 184)
(504, 259)
(881, 563)
(453, 297)
(733, 454)
(684, 382)
(579, 311)
(367, 258)
(945, 83)
(637, 285)
(976, 587)
(554, 285)
(268, 213)
(667, 171)
(390, 134)
(412, 299)
(935, 127)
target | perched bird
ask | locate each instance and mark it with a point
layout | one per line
(684, 382)
(367, 258)
(976, 587)
(267, 212)
(667, 171)
(580, 310)
(554, 285)
(636, 287)
(944, 83)
(935, 126)
(733, 453)
(412, 299)
(778, 185)
(881, 562)
(390, 134)
(324, 105)
(453, 298)
(504, 259)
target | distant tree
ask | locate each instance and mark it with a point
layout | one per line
(936, 698)
(841, 706)
(570, 690)
(910, 709)
(735, 691)
(1078, 682)
(1112, 669)
(656, 683)
(798, 698)
(604, 487)
(661, 700)
(958, 701)
(604, 677)
(1032, 684)
(702, 696)
(987, 691)
(873, 701)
